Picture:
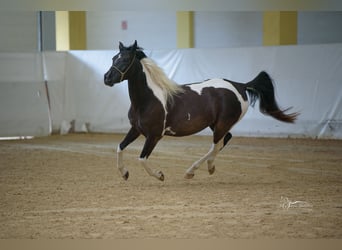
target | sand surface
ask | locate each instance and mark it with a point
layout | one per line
(66, 187)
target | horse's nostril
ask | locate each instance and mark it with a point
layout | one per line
(106, 78)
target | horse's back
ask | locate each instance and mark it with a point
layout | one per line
(204, 104)
(230, 96)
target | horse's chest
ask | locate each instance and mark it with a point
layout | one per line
(147, 120)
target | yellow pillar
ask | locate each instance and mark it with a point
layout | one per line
(279, 28)
(62, 30)
(185, 29)
(71, 30)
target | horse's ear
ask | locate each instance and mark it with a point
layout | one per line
(121, 46)
(135, 45)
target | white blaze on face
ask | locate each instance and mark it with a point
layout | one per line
(220, 83)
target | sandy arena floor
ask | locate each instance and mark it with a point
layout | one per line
(68, 187)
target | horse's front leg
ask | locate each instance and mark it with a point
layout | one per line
(129, 138)
(150, 143)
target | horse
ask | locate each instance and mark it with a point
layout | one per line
(160, 107)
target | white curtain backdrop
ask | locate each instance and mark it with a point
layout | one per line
(309, 78)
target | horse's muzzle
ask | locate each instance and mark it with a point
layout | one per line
(108, 82)
(111, 78)
(108, 79)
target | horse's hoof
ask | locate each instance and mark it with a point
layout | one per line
(125, 176)
(211, 170)
(189, 175)
(160, 176)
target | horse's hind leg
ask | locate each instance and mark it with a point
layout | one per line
(129, 138)
(210, 156)
(189, 174)
(210, 161)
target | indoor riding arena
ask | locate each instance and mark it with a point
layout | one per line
(62, 163)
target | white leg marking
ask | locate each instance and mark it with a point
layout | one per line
(209, 156)
(219, 146)
(119, 162)
(144, 164)
(157, 174)
(211, 166)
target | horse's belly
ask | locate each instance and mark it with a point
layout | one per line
(182, 132)
(187, 124)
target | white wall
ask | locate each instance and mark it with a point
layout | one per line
(24, 107)
(319, 27)
(18, 31)
(212, 29)
(218, 29)
(153, 30)
(157, 30)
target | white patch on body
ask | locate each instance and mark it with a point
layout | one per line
(168, 129)
(220, 83)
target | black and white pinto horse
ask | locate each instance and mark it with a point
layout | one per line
(161, 107)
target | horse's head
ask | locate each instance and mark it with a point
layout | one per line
(122, 63)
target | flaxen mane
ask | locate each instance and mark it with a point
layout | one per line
(157, 75)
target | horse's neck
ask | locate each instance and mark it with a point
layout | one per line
(138, 90)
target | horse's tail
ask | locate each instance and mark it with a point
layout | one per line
(261, 88)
